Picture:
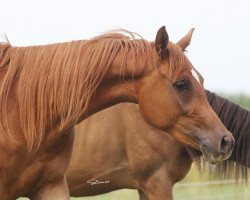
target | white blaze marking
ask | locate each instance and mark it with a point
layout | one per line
(195, 75)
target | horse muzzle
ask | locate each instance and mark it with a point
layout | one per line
(216, 154)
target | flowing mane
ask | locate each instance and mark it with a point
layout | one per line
(62, 78)
(237, 121)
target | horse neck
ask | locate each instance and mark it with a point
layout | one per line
(237, 121)
(60, 80)
(120, 83)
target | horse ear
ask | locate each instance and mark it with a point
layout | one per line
(161, 42)
(185, 41)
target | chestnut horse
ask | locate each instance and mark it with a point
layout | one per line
(46, 90)
(138, 156)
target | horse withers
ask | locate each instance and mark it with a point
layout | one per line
(46, 90)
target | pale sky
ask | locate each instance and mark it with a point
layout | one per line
(219, 49)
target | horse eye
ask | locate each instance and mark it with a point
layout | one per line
(181, 85)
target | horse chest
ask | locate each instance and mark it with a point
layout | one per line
(23, 175)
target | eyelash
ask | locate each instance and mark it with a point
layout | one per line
(181, 85)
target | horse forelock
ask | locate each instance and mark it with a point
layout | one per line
(178, 62)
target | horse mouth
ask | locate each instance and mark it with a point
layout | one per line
(212, 158)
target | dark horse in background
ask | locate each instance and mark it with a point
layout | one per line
(131, 154)
(46, 90)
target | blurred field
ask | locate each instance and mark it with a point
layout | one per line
(196, 186)
(241, 99)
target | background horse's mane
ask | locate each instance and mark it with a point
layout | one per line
(62, 78)
(237, 120)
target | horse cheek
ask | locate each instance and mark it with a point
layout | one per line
(159, 107)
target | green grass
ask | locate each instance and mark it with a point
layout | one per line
(213, 192)
(201, 186)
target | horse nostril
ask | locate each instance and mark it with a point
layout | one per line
(225, 145)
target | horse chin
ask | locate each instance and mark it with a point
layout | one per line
(210, 158)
